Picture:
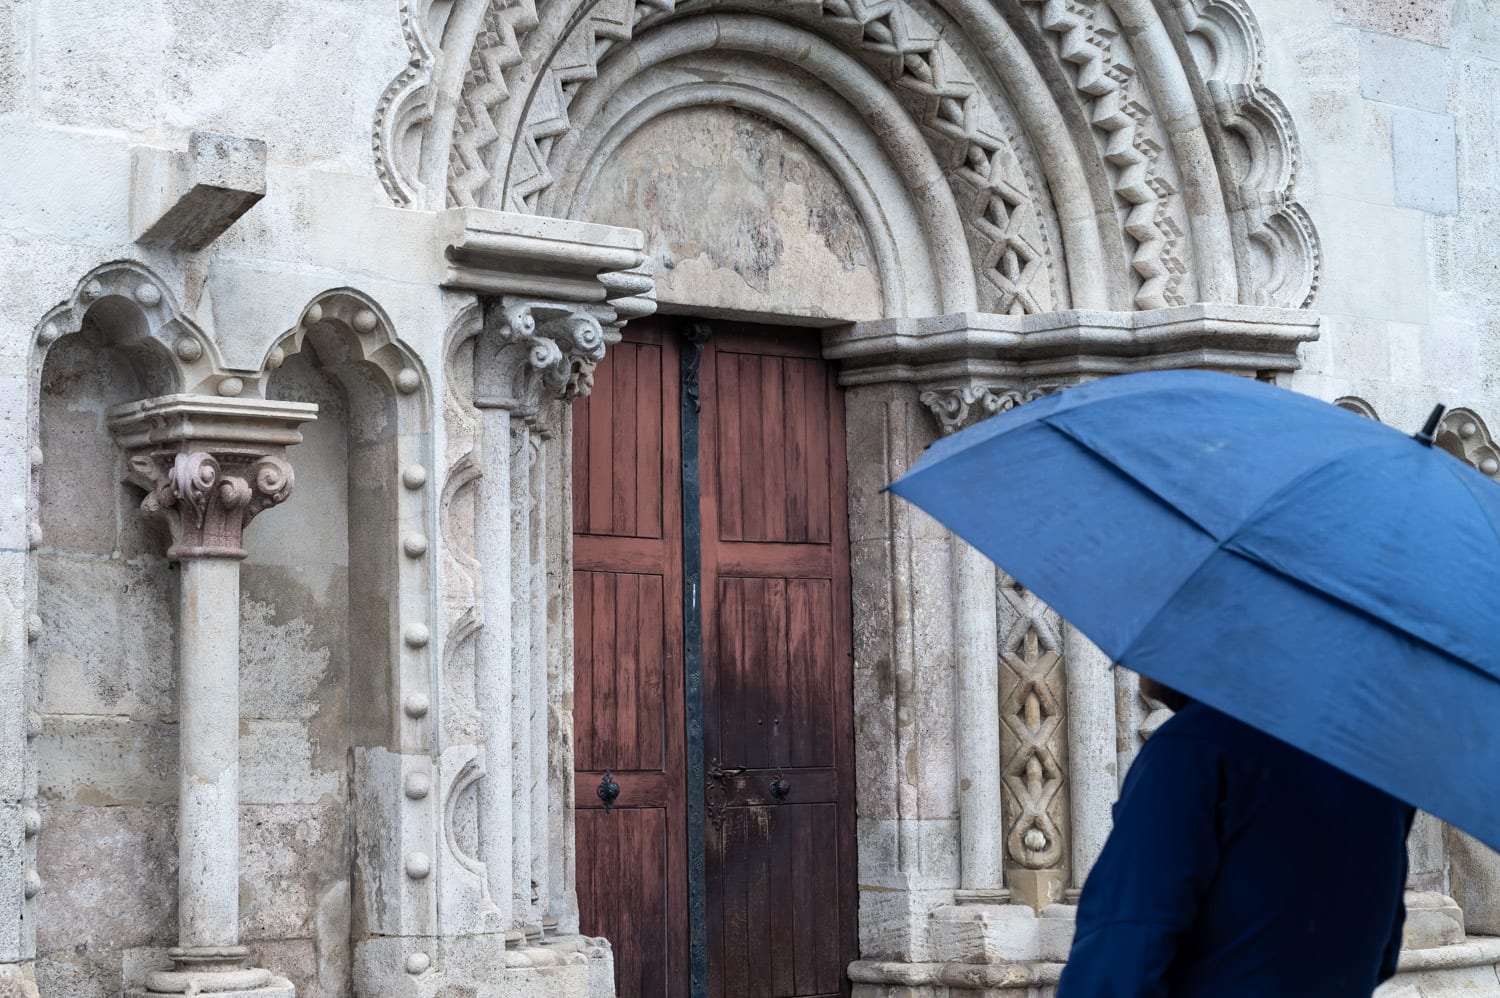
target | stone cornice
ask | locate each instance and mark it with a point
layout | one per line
(502, 253)
(209, 465)
(1024, 353)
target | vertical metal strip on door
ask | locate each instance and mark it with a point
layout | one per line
(692, 524)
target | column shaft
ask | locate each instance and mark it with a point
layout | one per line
(492, 665)
(520, 650)
(540, 841)
(981, 844)
(208, 881)
(1092, 752)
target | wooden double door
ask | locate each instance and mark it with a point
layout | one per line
(712, 706)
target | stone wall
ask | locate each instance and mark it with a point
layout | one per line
(886, 201)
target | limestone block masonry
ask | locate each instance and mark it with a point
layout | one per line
(267, 739)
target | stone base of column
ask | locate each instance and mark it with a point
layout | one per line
(214, 970)
(564, 966)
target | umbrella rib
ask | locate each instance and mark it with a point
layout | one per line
(1126, 474)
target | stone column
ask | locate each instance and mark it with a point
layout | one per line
(1092, 750)
(209, 466)
(976, 693)
(529, 353)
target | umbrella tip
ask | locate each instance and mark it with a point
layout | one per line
(1429, 431)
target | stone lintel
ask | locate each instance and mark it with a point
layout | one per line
(499, 253)
(1058, 348)
(185, 199)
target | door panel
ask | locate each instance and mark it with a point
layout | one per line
(776, 711)
(777, 682)
(628, 664)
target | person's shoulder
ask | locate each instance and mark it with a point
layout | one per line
(1199, 722)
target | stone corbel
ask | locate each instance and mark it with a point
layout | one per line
(185, 199)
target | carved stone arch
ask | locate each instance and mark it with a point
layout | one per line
(1357, 405)
(918, 243)
(1464, 435)
(128, 308)
(1278, 252)
(390, 418)
(906, 65)
(1172, 166)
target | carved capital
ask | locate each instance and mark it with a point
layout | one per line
(958, 407)
(532, 352)
(209, 465)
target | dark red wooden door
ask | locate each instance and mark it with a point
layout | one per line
(628, 663)
(777, 715)
(778, 738)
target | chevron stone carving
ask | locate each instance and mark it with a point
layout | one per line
(1107, 85)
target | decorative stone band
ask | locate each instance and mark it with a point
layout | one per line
(209, 465)
(987, 977)
(1034, 352)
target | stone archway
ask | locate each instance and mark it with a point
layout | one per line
(1039, 191)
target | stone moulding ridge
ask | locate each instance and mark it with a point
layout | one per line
(1062, 346)
(1225, 46)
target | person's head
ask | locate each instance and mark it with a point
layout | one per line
(1164, 694)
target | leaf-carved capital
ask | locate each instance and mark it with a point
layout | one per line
(957, 407)
(533, 352)
(208, 465)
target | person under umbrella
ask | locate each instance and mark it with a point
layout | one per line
(1239, 866)
(1322, 588)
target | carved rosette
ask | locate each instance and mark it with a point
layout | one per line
(533, 352)
(209, 465)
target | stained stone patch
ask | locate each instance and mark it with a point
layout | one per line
(1420, 20)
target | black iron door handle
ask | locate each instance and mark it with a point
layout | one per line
(609, 790)
(780, 788)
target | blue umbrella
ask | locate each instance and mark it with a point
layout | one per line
(1312, 572)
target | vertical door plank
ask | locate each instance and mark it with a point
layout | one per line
(804, 621)
(648, 443)
(628, 665)
(601, 454)
(624, 390)
(772, 481)
(583, 669)
(720, 470)
(824, 449)
(651, 689)
(606, 718)
(805, 916)
(799, 429)
(745, 477)
(580, 449)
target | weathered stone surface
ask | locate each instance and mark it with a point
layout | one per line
(1415, 19)
(739, 213)
(951, 163)
(1425, 147)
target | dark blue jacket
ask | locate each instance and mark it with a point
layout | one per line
(1239, 866)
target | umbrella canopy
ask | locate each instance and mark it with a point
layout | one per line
(1310, 571)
